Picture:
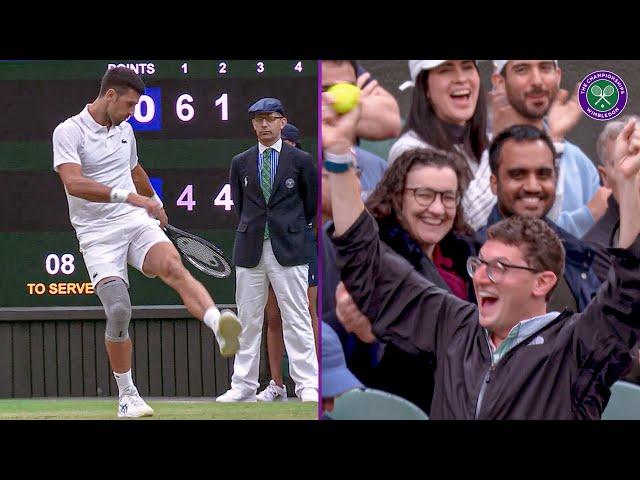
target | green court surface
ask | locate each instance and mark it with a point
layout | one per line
(181, 409)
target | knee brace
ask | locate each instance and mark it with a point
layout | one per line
(117, 306)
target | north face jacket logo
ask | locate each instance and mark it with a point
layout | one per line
(537, 341)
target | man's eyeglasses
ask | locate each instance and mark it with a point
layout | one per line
(268, 118)
(495, 268)
(426, 196)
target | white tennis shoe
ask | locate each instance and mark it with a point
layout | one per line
(133, 406)
(227, 333)
(309, 395)
(273, 393)
(232, 396)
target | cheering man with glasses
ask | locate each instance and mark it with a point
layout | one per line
(274, 187)
(507, 357)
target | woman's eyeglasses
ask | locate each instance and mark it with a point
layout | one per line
(426, 196)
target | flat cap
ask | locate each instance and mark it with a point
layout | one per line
(267, 105)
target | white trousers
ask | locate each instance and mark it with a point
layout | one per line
(290, 286)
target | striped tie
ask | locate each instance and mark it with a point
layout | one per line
(265, 182)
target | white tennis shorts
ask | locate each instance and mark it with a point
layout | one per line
(107, 254)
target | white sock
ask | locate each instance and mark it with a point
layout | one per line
(125, 383)
(211, 318)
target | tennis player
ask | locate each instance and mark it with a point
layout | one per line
(113, 209)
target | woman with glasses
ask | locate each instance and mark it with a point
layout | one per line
(449, 112)
(419, 214)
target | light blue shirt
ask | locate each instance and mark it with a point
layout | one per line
(372, 168)
(580, 182)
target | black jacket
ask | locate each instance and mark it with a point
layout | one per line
(384, 366)
(291, 207)
(604, 232)
(565, 375)
(409, 375)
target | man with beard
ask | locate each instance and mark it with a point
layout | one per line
(524, 177)
(528, 92)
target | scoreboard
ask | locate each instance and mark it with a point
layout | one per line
(190, 122)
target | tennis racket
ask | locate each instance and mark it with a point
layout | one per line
(200, 253)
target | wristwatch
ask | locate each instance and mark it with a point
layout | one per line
(338, 163)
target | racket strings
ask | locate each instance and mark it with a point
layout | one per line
(206, 257)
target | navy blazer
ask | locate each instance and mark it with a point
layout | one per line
(289, 212)
(579, 261)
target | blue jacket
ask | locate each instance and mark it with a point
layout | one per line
(579, 260)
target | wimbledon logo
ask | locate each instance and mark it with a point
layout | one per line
(602, 95)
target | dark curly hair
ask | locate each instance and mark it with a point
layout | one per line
(542, 248)
(386, 200)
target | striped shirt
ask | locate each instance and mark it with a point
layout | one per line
(275, 155)
(518, 334)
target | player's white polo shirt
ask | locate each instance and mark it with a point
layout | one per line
(107, 156)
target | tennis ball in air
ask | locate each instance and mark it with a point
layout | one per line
(346, 96)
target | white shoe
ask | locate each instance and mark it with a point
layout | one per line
(235, 396)
(133, 406)
(309, 395)
(273, 393)
(228, 331)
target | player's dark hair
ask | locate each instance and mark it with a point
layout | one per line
(120, 79)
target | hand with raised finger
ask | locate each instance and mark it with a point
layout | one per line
(367, 89)
(626, 153)
(626, 160)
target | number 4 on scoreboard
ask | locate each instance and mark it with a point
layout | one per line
(223, 199)
(186, 198)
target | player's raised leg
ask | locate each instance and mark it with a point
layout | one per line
(163, 260)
